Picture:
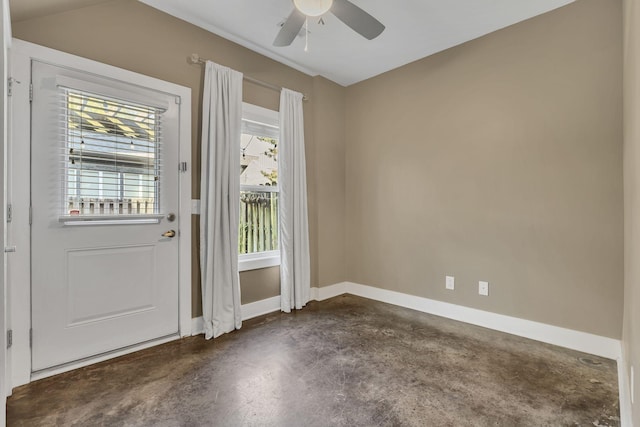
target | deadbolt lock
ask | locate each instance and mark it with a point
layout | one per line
(171, 217)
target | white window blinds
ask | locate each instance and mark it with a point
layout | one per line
(111, 156)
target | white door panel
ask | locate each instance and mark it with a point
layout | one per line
(106, 283)
(95, 293)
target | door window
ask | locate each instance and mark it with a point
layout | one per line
(111, 160)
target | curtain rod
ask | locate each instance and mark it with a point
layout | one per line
(196, 60)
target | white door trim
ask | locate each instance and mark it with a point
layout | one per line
(19, 279)
(5, 39)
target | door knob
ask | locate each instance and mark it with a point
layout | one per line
(169, 233)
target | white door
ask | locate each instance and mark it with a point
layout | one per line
(104, 196)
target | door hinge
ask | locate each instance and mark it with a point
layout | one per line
(178, 100)
(30, 337)
(30, 92)
(9, 338)
(30, 215)
(9, 213)
(182, 167)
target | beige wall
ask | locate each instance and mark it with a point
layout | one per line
(631, 328)
(327, 209)
(263, 283)
(131, 35)
(497, 160)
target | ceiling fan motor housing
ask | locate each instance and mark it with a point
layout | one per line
(313, 7)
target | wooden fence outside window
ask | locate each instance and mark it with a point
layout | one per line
(258, 228)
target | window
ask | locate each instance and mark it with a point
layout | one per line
(111, 157)
(258, 237)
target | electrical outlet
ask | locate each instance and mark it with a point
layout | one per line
(450, 283)
(483, 288)
(632, 385)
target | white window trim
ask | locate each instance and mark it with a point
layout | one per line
(254, 113)
(258, 260)
(264, 116)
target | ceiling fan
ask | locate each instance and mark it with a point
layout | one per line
(357, 19)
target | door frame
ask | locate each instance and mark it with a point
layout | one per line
(19, 176)
(5, 41)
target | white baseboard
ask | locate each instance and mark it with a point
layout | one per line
(197, 326)
(321, 294)
(270, 305)
(249, 311)
(624, 391)
(258, 308)
(568, 338)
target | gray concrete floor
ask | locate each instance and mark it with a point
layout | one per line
(347, 361)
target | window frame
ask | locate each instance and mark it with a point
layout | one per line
(263, 118)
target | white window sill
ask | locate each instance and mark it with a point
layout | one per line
(121, 219)
(248, 262)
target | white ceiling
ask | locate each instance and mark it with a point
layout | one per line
(414, 29)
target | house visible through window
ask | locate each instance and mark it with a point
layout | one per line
(258, 242)
(112, 156)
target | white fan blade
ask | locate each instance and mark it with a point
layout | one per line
(359, 20)
(290, 29)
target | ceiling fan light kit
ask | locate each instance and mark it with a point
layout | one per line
(313, 7)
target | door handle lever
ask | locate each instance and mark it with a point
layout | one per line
(170, 233)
